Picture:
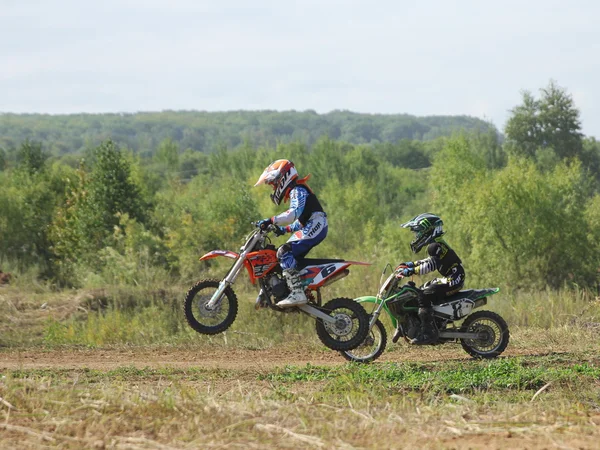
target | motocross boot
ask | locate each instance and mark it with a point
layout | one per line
(397, 334)
(429, 332)
(297, 296)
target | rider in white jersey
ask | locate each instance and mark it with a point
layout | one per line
(304, 218)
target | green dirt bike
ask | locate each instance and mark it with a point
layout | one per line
(483, 334)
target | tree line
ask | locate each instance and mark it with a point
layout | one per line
(522, 212)
(210, 131)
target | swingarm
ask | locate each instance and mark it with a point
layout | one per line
(462, 335)
(316, 313)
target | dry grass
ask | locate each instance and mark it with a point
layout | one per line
(149, 316)
(172, 408)
(547, 399)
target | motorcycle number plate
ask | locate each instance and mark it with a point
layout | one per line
(455, 310)
(316, 275)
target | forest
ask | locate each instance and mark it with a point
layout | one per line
(134, 199)
(101, 230)
(207, 132)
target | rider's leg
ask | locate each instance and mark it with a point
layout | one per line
(433, 290)
(288, 263)
(297, 247)
(429, 332)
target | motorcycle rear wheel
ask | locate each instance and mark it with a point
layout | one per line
(493, 326)
(371, 348)
(206, 321)
(350, 329)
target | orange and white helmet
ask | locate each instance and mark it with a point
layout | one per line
(281, 176)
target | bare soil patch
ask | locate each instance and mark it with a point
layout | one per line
(219, 358)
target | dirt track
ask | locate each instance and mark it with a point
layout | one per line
(107, 359)
(490, 432)
(218, 358)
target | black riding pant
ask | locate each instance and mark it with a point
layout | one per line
(437, 289)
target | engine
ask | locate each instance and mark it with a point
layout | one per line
(413, 326)
(278, 287)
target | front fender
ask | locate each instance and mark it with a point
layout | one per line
(374, 300)
(215, 253)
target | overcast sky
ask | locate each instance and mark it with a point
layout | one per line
(417, 57)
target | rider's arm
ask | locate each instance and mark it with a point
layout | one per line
(425, 266)
(297, 203)
(436, 251)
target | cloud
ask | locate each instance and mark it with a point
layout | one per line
(436, 57)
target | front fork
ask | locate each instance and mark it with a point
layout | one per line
(376, 313)
(229, 279)
(380, 305)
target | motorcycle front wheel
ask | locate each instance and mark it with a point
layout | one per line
(350, 328)
(371, 348)
(209, 321)
(495, 332)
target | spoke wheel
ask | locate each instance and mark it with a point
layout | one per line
(494, 332)
(209, 321)
(371, 348)
(350, 328)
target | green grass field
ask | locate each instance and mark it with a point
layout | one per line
(118, 368)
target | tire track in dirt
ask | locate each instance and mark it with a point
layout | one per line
(216, 358)
(108, 359)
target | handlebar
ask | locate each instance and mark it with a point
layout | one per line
(271, 228)
(398, 270)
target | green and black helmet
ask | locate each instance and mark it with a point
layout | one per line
(427, 227)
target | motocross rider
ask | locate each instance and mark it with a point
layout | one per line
(304, 218)
(428, 231)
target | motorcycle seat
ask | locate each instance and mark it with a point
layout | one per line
(303, 262)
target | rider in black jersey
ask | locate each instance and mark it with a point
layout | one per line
(428, 231)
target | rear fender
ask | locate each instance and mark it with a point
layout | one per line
(375, 301)
(482, 301)
(323, 274)
(215, 253)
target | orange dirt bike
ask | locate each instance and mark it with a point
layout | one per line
(211, 306)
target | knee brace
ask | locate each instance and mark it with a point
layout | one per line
(286, 257)
(281, 251)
